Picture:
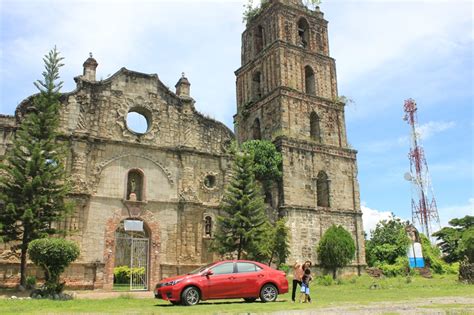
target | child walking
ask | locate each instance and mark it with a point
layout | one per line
(305, 286)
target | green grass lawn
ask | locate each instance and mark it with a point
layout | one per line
(351, 293)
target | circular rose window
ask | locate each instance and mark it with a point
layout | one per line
(138, 121)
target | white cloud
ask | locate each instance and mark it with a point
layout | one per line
(455, 211)
(371, 217)
(425, 131)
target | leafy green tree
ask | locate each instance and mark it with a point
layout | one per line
(267, 161)
(242, 227)
(32, 182)
(53, 255)
(336, 248)
(457, 240)
(388, 242)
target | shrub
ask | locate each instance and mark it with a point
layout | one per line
(325, 280)
(432, 256)
(451, 269)
(53, 255)
(466, 271)
(400, 267)
(122, 274)
(30, 282)
(340, 281)
(336, 248)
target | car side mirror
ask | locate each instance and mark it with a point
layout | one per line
(208, 273)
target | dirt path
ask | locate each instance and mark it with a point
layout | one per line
(453, 305)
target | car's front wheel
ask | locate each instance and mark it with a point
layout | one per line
(268, 293)
(190, 296)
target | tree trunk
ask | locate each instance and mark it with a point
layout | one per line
(239, 250)
(334, 273)
(24, 248)
(271, 259)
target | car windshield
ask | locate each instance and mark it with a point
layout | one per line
(201, 269)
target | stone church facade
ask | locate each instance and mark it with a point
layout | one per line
(171, 177)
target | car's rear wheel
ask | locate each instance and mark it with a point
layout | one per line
(268, 293)
(250, 300)
(190, 296)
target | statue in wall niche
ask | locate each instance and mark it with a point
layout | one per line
(133, 187)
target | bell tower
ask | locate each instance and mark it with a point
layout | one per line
(287, 93)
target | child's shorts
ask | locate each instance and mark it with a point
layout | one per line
(304, 289)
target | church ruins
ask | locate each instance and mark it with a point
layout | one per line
(151, 199)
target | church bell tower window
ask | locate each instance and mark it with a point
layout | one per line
(256, 85)
(310, 82)
(322, 188)
(315, 131)
(256, 132)
(259, 33)
(303, 30)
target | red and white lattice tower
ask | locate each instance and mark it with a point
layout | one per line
(423, 202)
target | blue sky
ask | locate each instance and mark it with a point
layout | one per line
(385, 51)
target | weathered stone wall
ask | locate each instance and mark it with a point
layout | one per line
(177, 155)
(7, 131)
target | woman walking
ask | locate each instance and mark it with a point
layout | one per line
(297, 276)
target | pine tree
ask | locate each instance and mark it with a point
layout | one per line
(241, 229)
(32, 182)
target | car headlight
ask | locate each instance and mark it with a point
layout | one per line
(173, 282)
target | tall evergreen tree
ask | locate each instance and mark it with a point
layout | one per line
(32, 184)
(241, 229)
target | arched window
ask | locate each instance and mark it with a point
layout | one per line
(135, 185)
(303, 33)
(256, 85)
(309, 81)
(208, 226)
(258, 40)
(314, 129)
(256, 133)
(322, 188)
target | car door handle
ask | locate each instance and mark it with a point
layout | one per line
(231, 278)
(261, 276)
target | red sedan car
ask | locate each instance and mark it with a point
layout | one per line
(228, 279)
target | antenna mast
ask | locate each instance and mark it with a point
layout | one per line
(423, 203)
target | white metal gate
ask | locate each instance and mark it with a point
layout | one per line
(131, 253)
(139, 264)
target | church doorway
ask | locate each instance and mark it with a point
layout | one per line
(131, 266)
